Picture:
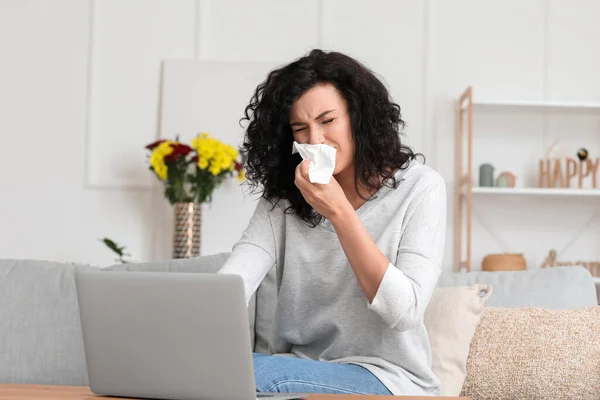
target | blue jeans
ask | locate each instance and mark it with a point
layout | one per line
(296, 375)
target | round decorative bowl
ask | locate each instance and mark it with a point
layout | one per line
(504, 262)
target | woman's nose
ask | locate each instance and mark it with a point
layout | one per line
(316, 136)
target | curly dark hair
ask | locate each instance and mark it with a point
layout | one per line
(375, 123)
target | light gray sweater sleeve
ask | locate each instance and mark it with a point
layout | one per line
(254, 254)
(406, 287)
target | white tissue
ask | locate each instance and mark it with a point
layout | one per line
(322, 160)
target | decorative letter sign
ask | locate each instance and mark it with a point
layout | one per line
(557, 173)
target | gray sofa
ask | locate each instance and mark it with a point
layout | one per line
(40, 334)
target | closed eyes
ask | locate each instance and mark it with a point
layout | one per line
(327, 121)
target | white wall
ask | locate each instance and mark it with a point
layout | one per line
(80, 95)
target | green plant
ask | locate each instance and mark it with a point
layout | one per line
(119, 250)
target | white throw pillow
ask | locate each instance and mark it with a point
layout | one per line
(451, 318)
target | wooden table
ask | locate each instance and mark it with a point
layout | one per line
(36, 392)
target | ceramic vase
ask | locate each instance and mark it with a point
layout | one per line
(187, 230)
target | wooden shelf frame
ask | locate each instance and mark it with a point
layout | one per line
(464, 181)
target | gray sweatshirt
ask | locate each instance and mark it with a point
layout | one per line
(322, 312)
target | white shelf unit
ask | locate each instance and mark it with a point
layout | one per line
(465, 189)
(537, 104)
(534, 191)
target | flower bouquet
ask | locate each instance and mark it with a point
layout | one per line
(190, 174)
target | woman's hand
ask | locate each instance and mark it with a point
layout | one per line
(367, 261)
(328, 200)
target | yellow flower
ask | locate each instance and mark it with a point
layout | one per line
(194, 142)
(241, 175)
(208, 150)
(161, 171)
(205, 146)
(231, 152)
(215, 155)
(226, 157)
(202, 163)
(222, 161)
(157, 159)
(214, 169)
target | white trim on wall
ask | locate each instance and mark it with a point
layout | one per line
(87, 184)
(198, 43)
(426, 144)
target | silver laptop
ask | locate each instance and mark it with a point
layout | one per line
(167, 335)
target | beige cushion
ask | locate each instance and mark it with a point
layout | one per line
(451, 318)
(535, 353)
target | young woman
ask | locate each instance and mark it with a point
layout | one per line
(357, 259)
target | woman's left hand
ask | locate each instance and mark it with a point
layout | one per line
(328, 200)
